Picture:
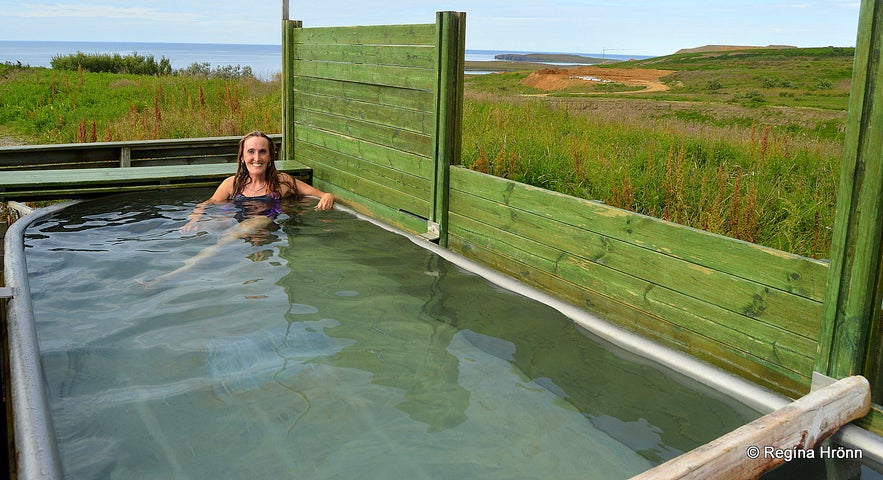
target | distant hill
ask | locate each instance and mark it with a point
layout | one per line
(727, 48)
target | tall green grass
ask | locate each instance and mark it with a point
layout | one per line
(57, 106)
(758, 183)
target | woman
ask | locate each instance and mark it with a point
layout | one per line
(257, 181)
(257, 189)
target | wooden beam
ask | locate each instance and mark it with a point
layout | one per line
(789, 432)
(448, 114)
(72, 183)
(852, 300)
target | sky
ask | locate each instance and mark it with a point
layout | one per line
(621, 27)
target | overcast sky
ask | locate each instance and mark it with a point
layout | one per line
(624, 27)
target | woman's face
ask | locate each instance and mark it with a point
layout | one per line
(256, 155)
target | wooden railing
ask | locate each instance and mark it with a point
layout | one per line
(43, 172)
(144, 153)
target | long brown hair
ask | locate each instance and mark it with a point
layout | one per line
(271, 175)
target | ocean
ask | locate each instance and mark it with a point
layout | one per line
(264, 60)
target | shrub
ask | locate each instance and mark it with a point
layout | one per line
(112, 63)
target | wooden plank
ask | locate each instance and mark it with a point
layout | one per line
(393, 76)
(375, 210)
(419, 56)
(791, 273)
(410, 120)
(419, 100)
(755, 448)
(108, 154)
(398, 139)
(395, 179)
(760, 341)
(414, 34)
(377, 192)
(400, 161)
(737, 294)
(665, 326)
(59, 183)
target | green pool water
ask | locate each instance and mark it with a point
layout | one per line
(332, 349)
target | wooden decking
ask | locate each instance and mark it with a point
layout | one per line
(29, 185)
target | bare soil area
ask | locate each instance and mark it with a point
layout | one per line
(554, 79)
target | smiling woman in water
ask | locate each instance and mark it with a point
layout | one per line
(257, 190)
(258, 182)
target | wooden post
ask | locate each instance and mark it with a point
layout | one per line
(449, 102)
(852, 299)
(789, 432)
(125, 156)
(289, 28)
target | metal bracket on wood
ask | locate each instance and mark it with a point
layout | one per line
(433, 232)
(6, 292)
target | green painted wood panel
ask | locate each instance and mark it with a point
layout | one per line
(399, 139)
(419, 100)
(392, 76)
(791, 273)
(365, 153)
(379, 192)
(737, 294)
(666, 329)
(363, 111)
(422, 122)
(762, 340)
(400, 180)
(412, 56)
(417, 34)
(608, 256)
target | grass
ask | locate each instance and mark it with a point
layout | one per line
(745, 144)
(42, 105)
(757, 183)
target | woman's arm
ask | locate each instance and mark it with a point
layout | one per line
(222, 194)
(326, 200)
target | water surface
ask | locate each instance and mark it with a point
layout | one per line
(327, 348)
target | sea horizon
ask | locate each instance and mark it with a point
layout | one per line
(265, 60)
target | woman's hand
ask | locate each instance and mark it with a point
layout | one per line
(189, 227)
(326, 202)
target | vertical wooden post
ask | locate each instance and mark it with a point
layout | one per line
(289, 27)
(125, 156)
(852, 299)
(449, 103)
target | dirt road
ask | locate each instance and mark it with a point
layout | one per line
(552, 79)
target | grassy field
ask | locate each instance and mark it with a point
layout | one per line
(744, 143)
(39, 105)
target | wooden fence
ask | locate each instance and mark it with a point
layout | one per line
(375, 113)
(696, 291)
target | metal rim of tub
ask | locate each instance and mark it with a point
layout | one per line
(36, 448)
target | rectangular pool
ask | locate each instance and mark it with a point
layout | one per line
(327, 347)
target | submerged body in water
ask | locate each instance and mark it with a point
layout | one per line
(255, 217)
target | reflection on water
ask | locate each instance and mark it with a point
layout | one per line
(336, 350)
